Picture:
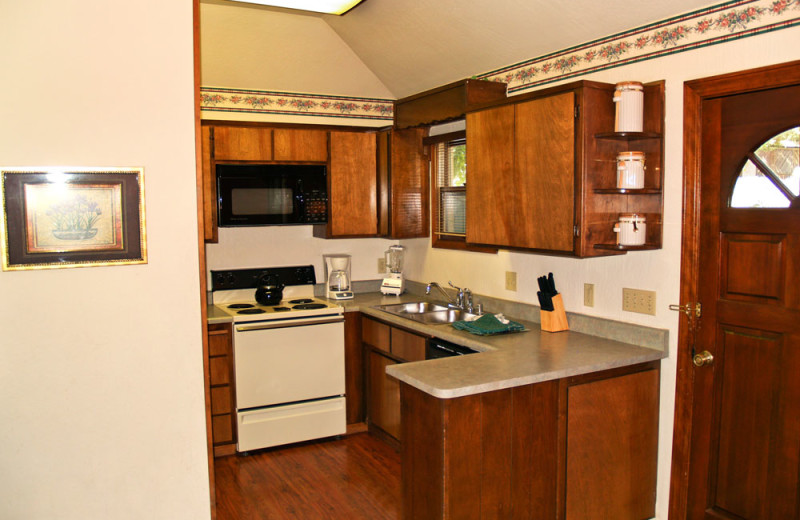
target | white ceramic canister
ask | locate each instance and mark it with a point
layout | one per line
(629, 98)
(631, 229)
(630, 170)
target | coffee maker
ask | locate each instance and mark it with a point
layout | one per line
(337, 277)
(393, 283)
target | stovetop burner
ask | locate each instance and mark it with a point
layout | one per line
(241, 306)
(303, 300)
(251, 311)
(281, 309)
(309, 306)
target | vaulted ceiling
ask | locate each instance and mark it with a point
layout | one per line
(415, 45)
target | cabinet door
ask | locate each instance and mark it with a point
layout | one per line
(300, 145)
(236, 143)
(491, 191)
(545, 177)
(210, 230)
(409, 180)
(384, 395)
(353, 185)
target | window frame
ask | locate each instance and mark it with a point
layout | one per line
(438, 240)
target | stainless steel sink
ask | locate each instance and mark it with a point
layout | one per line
(426, 312)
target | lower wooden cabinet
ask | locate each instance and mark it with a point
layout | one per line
(579, 448)
(386, 345)
(223, 402)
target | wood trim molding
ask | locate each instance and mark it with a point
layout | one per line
(201, 248)
(696, 92)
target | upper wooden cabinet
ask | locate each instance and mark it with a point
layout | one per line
(403, 184)
(542, 171)
(352, 186)
(240, 143)
(445, 103)
(300, 145)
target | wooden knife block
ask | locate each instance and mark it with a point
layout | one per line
(555, 320)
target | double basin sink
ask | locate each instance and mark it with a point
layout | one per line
(426, 312)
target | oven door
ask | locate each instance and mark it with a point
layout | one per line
(288, 361)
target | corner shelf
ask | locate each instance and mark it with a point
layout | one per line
(619, 247)
(627, 136)
(627, 191)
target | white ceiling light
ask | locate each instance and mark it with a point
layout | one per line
(318, 6)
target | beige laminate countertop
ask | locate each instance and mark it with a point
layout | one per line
(505, 361)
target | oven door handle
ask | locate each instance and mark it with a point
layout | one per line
(283, 325)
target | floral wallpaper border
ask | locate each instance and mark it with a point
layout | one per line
(214, 99)
(709, 26)
(712, 25)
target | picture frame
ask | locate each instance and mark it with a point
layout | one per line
(61, 217)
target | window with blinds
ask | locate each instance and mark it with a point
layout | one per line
(451, 187)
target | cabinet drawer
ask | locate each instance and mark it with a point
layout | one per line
(222, 429)
(220, 370)
(407, 346)
(375, 334)
(219, 342)
(220, 400)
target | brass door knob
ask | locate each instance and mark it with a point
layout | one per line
(703, 358)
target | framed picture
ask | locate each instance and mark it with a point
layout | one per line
(72, 217)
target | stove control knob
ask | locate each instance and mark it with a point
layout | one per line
(230, 280)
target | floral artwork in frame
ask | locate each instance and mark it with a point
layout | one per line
(72, 217)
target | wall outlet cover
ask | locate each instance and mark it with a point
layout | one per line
(588, 294)
(511, 281)
(637, 300)
(381, 265)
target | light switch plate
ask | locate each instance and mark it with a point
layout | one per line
(637, 300)
(511, 280)
(588, 294)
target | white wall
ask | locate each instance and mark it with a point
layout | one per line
(101, 380)
(652, 270)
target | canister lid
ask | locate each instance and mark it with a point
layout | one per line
(630, 156)
(629, 85)
(631, 217)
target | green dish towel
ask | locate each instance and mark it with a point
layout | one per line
(487, 325)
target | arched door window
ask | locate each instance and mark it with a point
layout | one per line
(771, 176)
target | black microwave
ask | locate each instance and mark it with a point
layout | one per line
(270, 194)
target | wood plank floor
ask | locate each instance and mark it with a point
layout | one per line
(351, 478)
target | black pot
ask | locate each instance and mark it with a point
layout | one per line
(269, 291)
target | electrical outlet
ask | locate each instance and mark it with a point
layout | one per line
(511, 281)
(381, 265)
(588, 294)
(637, 300)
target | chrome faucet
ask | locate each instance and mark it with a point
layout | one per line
(463, 299)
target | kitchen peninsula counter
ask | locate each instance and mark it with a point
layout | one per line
(509, 360)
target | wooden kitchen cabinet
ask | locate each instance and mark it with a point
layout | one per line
(241, 143)
(545, 163)
(386, 345)
(352, 187)
(403, 184)
(354, 368)
(578, 448)
(301, 145)
(223, 399)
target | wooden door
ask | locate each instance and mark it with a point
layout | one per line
(736, 451)
(353, 192)
(545, 159)
(492, 192)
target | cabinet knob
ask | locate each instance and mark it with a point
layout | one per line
(703, 358)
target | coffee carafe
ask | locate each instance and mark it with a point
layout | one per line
(337, 277)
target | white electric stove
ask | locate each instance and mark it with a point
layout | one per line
(288, 358)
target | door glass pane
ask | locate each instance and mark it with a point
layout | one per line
(781, 155)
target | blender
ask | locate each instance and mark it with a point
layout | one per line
(337, 277)
(393, 283)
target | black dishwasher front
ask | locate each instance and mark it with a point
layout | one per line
(439, 348)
